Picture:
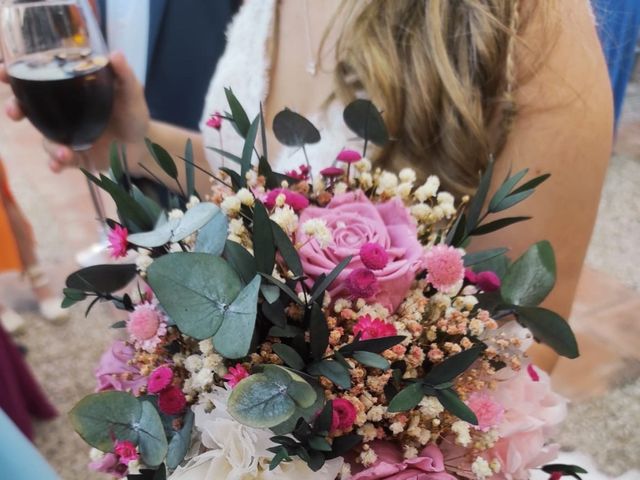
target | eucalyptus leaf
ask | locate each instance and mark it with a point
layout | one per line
(156, 237)
(549, 328)
(151, 207)
(275, 313)
(531, 278)
(271, 293)
(102, 278)
(114, 163)
(213, 236)
(194, 219)
(307, 414)
(332, 370)
(513, 199)
(284, 287)
(531, 184)
(196, 290)
(293, 130)
(364, 119)
(180, 442)
(152, 441)
(233, 338)
(372, 360)
(100, 418)
(241, 260)
(475, 258)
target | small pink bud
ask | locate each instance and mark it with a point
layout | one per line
(332, 172)
(374, 256)
(470, 276)
(488, 281)
(215, 121)
(362, 283)
(532, 373)
(159, 379)
(349, 156)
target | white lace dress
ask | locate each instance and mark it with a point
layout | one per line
(244, 67)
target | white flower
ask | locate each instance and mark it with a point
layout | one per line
(407, 175)
(175, 214)
(404, 190)
(428, 189)
(421, 212)
(231, 205)
(245, 197)
(252, 178)
(236, 227)
(133, 467)
(206, 346)
(387, 183)
(410, 452)
(366, 180)
(368, 457)
(481, 468)
(375, 413)
(202, 379)
(143, 261)
(317, 228)
(430, 407)
(286, 218)
(445, 198)
(461, 429)
(235, 451)
(193, 363)
(363, 165)
(340, 188)
(476, 327)
(368, 432)
(193, 201)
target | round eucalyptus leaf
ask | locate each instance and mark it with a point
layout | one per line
(531, 277)
(194, 219)
(293, 130)
(195, 289)
(152, 440)
(212, 237)
(364, 119)
(156, 237)
(100, 418)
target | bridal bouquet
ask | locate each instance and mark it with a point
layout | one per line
(319, 324)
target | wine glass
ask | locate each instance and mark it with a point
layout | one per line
(58, 68)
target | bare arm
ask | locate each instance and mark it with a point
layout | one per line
(564, 128)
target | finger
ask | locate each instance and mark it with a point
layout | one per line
(4, 76)
(122, 69)
(13, 110)
(61, 155)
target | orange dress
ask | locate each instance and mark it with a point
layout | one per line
(9, 254)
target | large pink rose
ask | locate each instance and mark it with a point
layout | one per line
(114, 371)
(355, 221)
(391, 465)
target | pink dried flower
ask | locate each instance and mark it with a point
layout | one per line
(531, 370)
(301, 174)
(344, 414)
(118, 241)
(235, 375)
(374, 256)
(362, 283)
(126, 450)
(488, 281)
(146, 326)
(116, 371)
(160, 379)
(444, 266)
(487, 410)
(332, 172)
(109, 464)
(295, 200)
(171, 401)
(215, 121)
(349, 156)
(369, 328)
(470, 276)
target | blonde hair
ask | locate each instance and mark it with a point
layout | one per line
(443, 73)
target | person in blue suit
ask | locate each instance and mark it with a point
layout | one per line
(618, 28)
(173, 46)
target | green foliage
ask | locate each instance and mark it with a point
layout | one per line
(268, 398)
(241, 260)
(318, 332)
(364, 119)
(213, 236)
(569, 470)
(180, 442)
(475, 258)
(453, 366)
(189, 169)
(238, 115)
(475, 206)
(162, 158)
(294, 130)
(529, 279)
(319, 289)
(101, 418)
(287, 250)
(100, 279)
(407, 398)
(334, 371)
(249, 146)
(289, 356)
(374, 345)
(263, 244)
(550, 328)
(452, 403)
(372, 360)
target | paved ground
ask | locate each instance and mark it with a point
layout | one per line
(605, 314)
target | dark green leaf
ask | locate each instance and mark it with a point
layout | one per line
(263, 244)
(280, 456)
(407, 398)
(289, 356)
(288, 331)
(189, 169)
(249, 145)
(271, 293)
(226, 154)
(333, 370)
(531, 184)
(72, 296)
(364, 119)
(293, 130)
(456, 234)
(284, 440)
(505, 189)
(241, 260)
(151, 207)
(497, 225)
(344, 444)
(512, 200)
(452, 403)
(453, 366)
(320, 444)
(282, 286)
(530, 278)
(375, 345)
(323, 421)
(102, 278)
(237, 181)
(275, 312)
(549, 328)
(564, 468)
(316, 459)
(120, 324)
(326, 282)
(372, 360)
(287, 250)
(115, 164)
(483, 256)
(240, 118)
(162, 158)
(319, 332)
(478, 200)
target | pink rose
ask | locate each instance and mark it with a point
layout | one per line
(343, 415)
(115, 373)
(354, 221)
(391, 465)
(532, 412)
(487, 410)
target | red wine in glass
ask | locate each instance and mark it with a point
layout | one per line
(67, 95)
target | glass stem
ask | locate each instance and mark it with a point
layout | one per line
(94, 191)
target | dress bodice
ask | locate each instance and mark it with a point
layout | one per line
(244, 67)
